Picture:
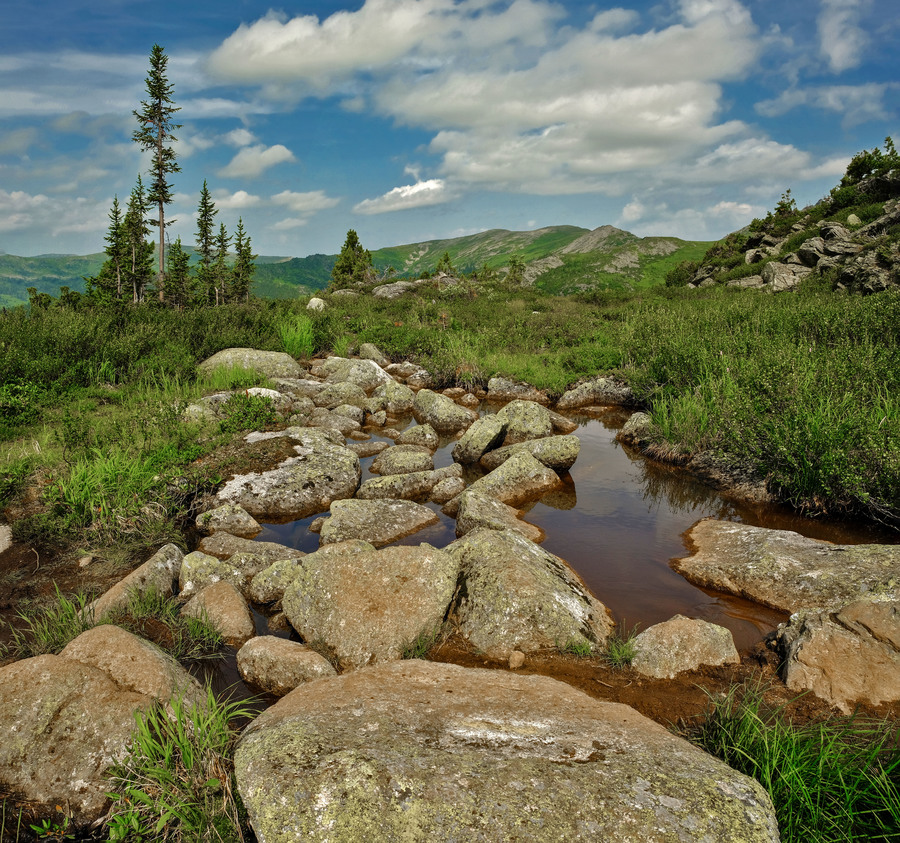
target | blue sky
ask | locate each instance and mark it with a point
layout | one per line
(410, 120)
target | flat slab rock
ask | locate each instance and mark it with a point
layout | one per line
(423, 751)
(380, 522)
(786, 571)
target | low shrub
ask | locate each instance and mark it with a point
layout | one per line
(243, 411)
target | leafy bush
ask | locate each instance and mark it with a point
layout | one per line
(243, 411)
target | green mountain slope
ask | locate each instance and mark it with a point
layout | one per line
(47, 273)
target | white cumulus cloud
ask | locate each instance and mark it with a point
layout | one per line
(841, 38)
(253, 161)
(418, 195)
(305, 203)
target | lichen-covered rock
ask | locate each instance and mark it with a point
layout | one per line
(525, 420)
(417, 484)
(225, 545)
(484, 434)
(230, 519)
(667, 649)
(355, 414)
(159, 573)
(596, 391)
(199, 570)
(477, 510)
(277, 666)
(520, 597)
(370, 351)
(371, 448)
(519, 479)
(335, 394)
(786, 571)
(420, 434)
(268, 586)
(444, 415)
(369, 607)
(321, 472)
(133, 663)
(380, 522)
(395, 398)
(226, 610)
(779, 277)
(847, 656)
(504, 389)
(421, 751)
(556, 452)
(402, 459)
(366, 374)
(562, 425)
(322, 418)
(447, 489)
(298, 388)
(63, 726)
(271, 364)
(637, 431)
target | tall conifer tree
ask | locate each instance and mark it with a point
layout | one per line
(206, 244)
(220, 271)
(243, 269)
(155, 133)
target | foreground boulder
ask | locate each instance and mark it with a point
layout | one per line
(524, 420)
(477, 510)
(520, 597)
(63, 726)
(784, 570)
(224, 607)
(380, 522)
(441, 413)
(270, 364)
(424, 751)
(847, 656)
(159, 573)
(369, 607)
(321, 472)
(277, 666)
(679, 644)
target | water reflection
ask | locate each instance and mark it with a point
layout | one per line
(618, 520)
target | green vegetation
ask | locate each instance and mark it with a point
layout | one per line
(297, 336)
(832, 781)
(620, 648)
(581, 648)
(177, 783)
(49, 629)
(426, 640)
(353, 266)
(243, 411)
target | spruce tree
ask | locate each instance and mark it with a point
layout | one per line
(221, 273)
(138, 252)
(243, 269)
(205, 244)
(353, 265)
(155, 134)
(108, 284)
(179, 281)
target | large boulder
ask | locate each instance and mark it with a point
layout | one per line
(520, 597)
(321, 472)
(847, 656)
(370, 351)
(270, 364)
(229, 519)
(396, 398)
(666, 649)
(477, 510)
(225, 545)
(63, 726)
(784, 570)
(402, 459)
(596, 391)
(225, 608)
(159, 573)
(334, 394)
(556, 452)
(484, 434)
(504, 389)
(420, 434)
(422, 751)
(277, 666)
(780, 277)
(411, 486)
(369, 607)
(444, 415)
(380, 522)
(366, 374)
(525, 420)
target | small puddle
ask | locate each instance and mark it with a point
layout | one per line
(619, 521)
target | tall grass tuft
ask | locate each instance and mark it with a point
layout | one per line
(297, 335)
(831, 781)
(177, 782)
(49, 629)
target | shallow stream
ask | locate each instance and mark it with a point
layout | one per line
(619, 521)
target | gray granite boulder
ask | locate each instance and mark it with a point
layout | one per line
(230, 519)
(421, 751)
(322, 418)
(525, 420)
(477, 510)
(370, 351)
(277, 665)
(484, 434)
(271, 364)
(225, 545)
(845, 656)
(366, 374)
(396, 398)
(504, 389)
(402, 459)
(444, 415)
(420, 434)
(380, 522)
(226, 610)
(786, 571)
(598, 391)
(556, 452)
(520, 597)
(199, 570)
(334, 394)
(412, 486)
(369, 607)
(321, 472)
(666, 649)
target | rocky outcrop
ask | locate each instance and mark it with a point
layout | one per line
(321, 472)
(784, 570)
(847, 656)
(520, 597)
(778, 277)
(380, 522)
(402, 459)
(598, 391)
(422, 751)
(369, 607)
(666, 649)
(270, 364)
(276, 666)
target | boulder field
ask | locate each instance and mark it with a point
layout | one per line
(368, 742)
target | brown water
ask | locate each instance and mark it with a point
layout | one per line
(619, 521)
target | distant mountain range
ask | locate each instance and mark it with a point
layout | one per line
(559, 259)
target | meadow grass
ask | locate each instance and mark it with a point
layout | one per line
(832, 781)
(619, 651)
(50, 628)
(297, 336)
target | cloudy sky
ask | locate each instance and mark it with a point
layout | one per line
(417, 119)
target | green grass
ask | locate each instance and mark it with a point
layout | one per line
(580, 647)
(297, 336)
(423, 643)
(831, 781)
(177, 782)
(620, 648)
(49, 629)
